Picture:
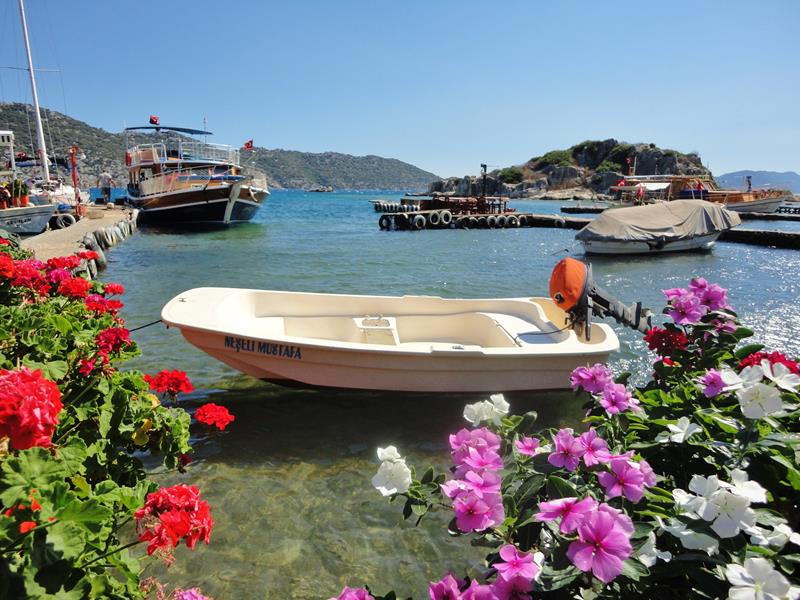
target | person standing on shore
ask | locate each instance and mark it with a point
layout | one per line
(105, 181)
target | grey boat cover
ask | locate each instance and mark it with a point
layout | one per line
(678, 219)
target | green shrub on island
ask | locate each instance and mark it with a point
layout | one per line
(620, 153)
(608, 165)
(686, 487)
(74, 432)
(554, 158)
(511, 175)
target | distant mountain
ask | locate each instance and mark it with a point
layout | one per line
(788, 180)
(284, 168)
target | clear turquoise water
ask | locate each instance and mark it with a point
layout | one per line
(296, 516)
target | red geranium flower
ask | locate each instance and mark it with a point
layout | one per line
(29, 407)
(26, 526)
(6, 266)
(4, 242)
(214, 415)
(96, 303)
(755, 359)
(28, 274)
(88, 255)
(74, 287)
(169, 382)
(112, 340)
(63, 262)
(172, 514)
(113, 289)
(665, 341)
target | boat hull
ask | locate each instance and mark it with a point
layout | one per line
(699, 243)
(211, 206)
(214, 320)
(26, 220)
(765, 205)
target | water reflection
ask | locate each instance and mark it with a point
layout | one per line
(296, 516)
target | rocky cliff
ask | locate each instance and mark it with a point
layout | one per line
(592, 166)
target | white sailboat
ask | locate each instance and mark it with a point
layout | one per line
(45, 194)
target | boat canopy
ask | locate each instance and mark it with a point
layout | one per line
(664, 220)
(178, 129)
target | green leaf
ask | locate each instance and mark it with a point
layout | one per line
(633, 569)
(560, 488)
(747, 350)
(792, 474)
(427, 477)
(63, 324)
(30, 469)
(89, 513)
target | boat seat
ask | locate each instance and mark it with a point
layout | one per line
(520, 330)
(378, 330)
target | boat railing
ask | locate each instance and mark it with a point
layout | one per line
(209, 152)
(147, 154)
(255, 177)
(195, 178)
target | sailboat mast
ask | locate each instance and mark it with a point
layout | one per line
(39, 131)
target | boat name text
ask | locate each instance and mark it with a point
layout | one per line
(242, 344)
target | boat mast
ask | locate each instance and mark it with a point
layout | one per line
(39, 131)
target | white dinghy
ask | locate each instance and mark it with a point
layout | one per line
(408, 343)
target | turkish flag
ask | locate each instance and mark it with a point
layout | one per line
(248, 145)
(154, 120)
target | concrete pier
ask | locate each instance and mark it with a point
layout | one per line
(62, 242)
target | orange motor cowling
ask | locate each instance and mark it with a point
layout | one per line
(569, 283)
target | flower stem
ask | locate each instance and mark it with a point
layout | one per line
(102, 556)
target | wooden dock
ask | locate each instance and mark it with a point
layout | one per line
(757, 237)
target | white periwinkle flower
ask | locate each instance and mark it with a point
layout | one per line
(733, 514)
(757, 580)
(740, 486)
(780, 375)
(648, 554)
(487, 410)
(690, 539)
(778, 537)
(393, 476)
(683, 430)
(759, 400)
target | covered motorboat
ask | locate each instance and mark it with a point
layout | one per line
(408, 343)
(673, 226)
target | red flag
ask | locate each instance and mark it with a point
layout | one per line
(154, 120)
(248, 145)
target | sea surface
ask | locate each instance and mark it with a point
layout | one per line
(289, 483)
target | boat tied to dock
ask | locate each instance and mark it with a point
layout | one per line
(184, 181)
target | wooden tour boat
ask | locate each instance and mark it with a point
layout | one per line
(183, 181)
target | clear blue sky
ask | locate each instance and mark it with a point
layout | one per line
(443, 84)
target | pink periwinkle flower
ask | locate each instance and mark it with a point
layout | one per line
(480, 439)
(616, 398)
(686, 309)
(571, 511)
(595, 448)
(602, 546)
(476, 591)
(568, 450)
(674, 293)
(482, 483)
(516, 564)
(647, 473)
(349, 593)
(513, 589)
(710, 294)
(454, 488)
(479, 461)
(592, 379)
(712, 382)
(527, 446)
(447, 588)
(475, 513)
(625, 479)
(190, 594)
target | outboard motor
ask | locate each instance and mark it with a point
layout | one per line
(574, 292)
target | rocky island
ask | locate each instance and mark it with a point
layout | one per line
(584, 171)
